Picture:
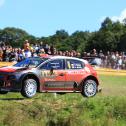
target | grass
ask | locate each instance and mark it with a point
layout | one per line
(107, 108)
(113, 85)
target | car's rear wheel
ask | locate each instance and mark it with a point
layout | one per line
(29, 88)
(3, 92)
(89, 88)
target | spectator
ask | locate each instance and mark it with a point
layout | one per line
(21, 55)
(52, 49)
(12, 55)
(41, 52)
(5, 55)
(36, 48)
(27, 53)
(101, 55)
(26, 45)
(119, 62)
(46, 48)
(94, 52)
(1, 54)
(41, 45)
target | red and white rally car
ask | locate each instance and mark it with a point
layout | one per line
(58, 74)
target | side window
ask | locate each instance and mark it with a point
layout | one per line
(74, 64)
(55, 64)
(34, 62)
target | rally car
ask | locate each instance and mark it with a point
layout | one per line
(59, 74)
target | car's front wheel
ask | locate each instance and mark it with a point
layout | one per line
(89, 88)
(29, 88)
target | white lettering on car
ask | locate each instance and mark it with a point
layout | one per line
(87, 69)
(48, 74)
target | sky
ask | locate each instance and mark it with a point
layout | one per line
(45, 17)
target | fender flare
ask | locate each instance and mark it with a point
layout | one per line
(29, 74)
(90, 77)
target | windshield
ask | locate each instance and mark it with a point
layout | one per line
(30, 62)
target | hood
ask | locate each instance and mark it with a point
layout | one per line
(12, 69)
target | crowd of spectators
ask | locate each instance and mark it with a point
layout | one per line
(8, 53)
(114, 60)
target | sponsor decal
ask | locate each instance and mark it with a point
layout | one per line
(54, 84)
(48, 74)
(87, 69)
(75, 72)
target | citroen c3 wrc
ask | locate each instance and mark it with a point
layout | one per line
(59, 74)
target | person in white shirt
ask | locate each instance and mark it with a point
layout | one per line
(27, 53)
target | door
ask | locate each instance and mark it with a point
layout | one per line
(74, 73)
(53, 75)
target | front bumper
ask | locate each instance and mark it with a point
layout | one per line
(8, 84)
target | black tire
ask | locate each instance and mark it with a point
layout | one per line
(29, 88)
(89, 88)
(61, 93)
(3, 92)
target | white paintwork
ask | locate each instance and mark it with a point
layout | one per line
(66, 57)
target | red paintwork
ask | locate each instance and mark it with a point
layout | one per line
(93, 72)
(74, 75)
(7, 69)
(45, 56)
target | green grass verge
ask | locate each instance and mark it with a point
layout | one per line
(107, 108)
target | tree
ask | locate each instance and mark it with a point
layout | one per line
(15, 36)
(79, 40)
(106, 24)
(122, 44)
(61, 34)
(102, 40)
